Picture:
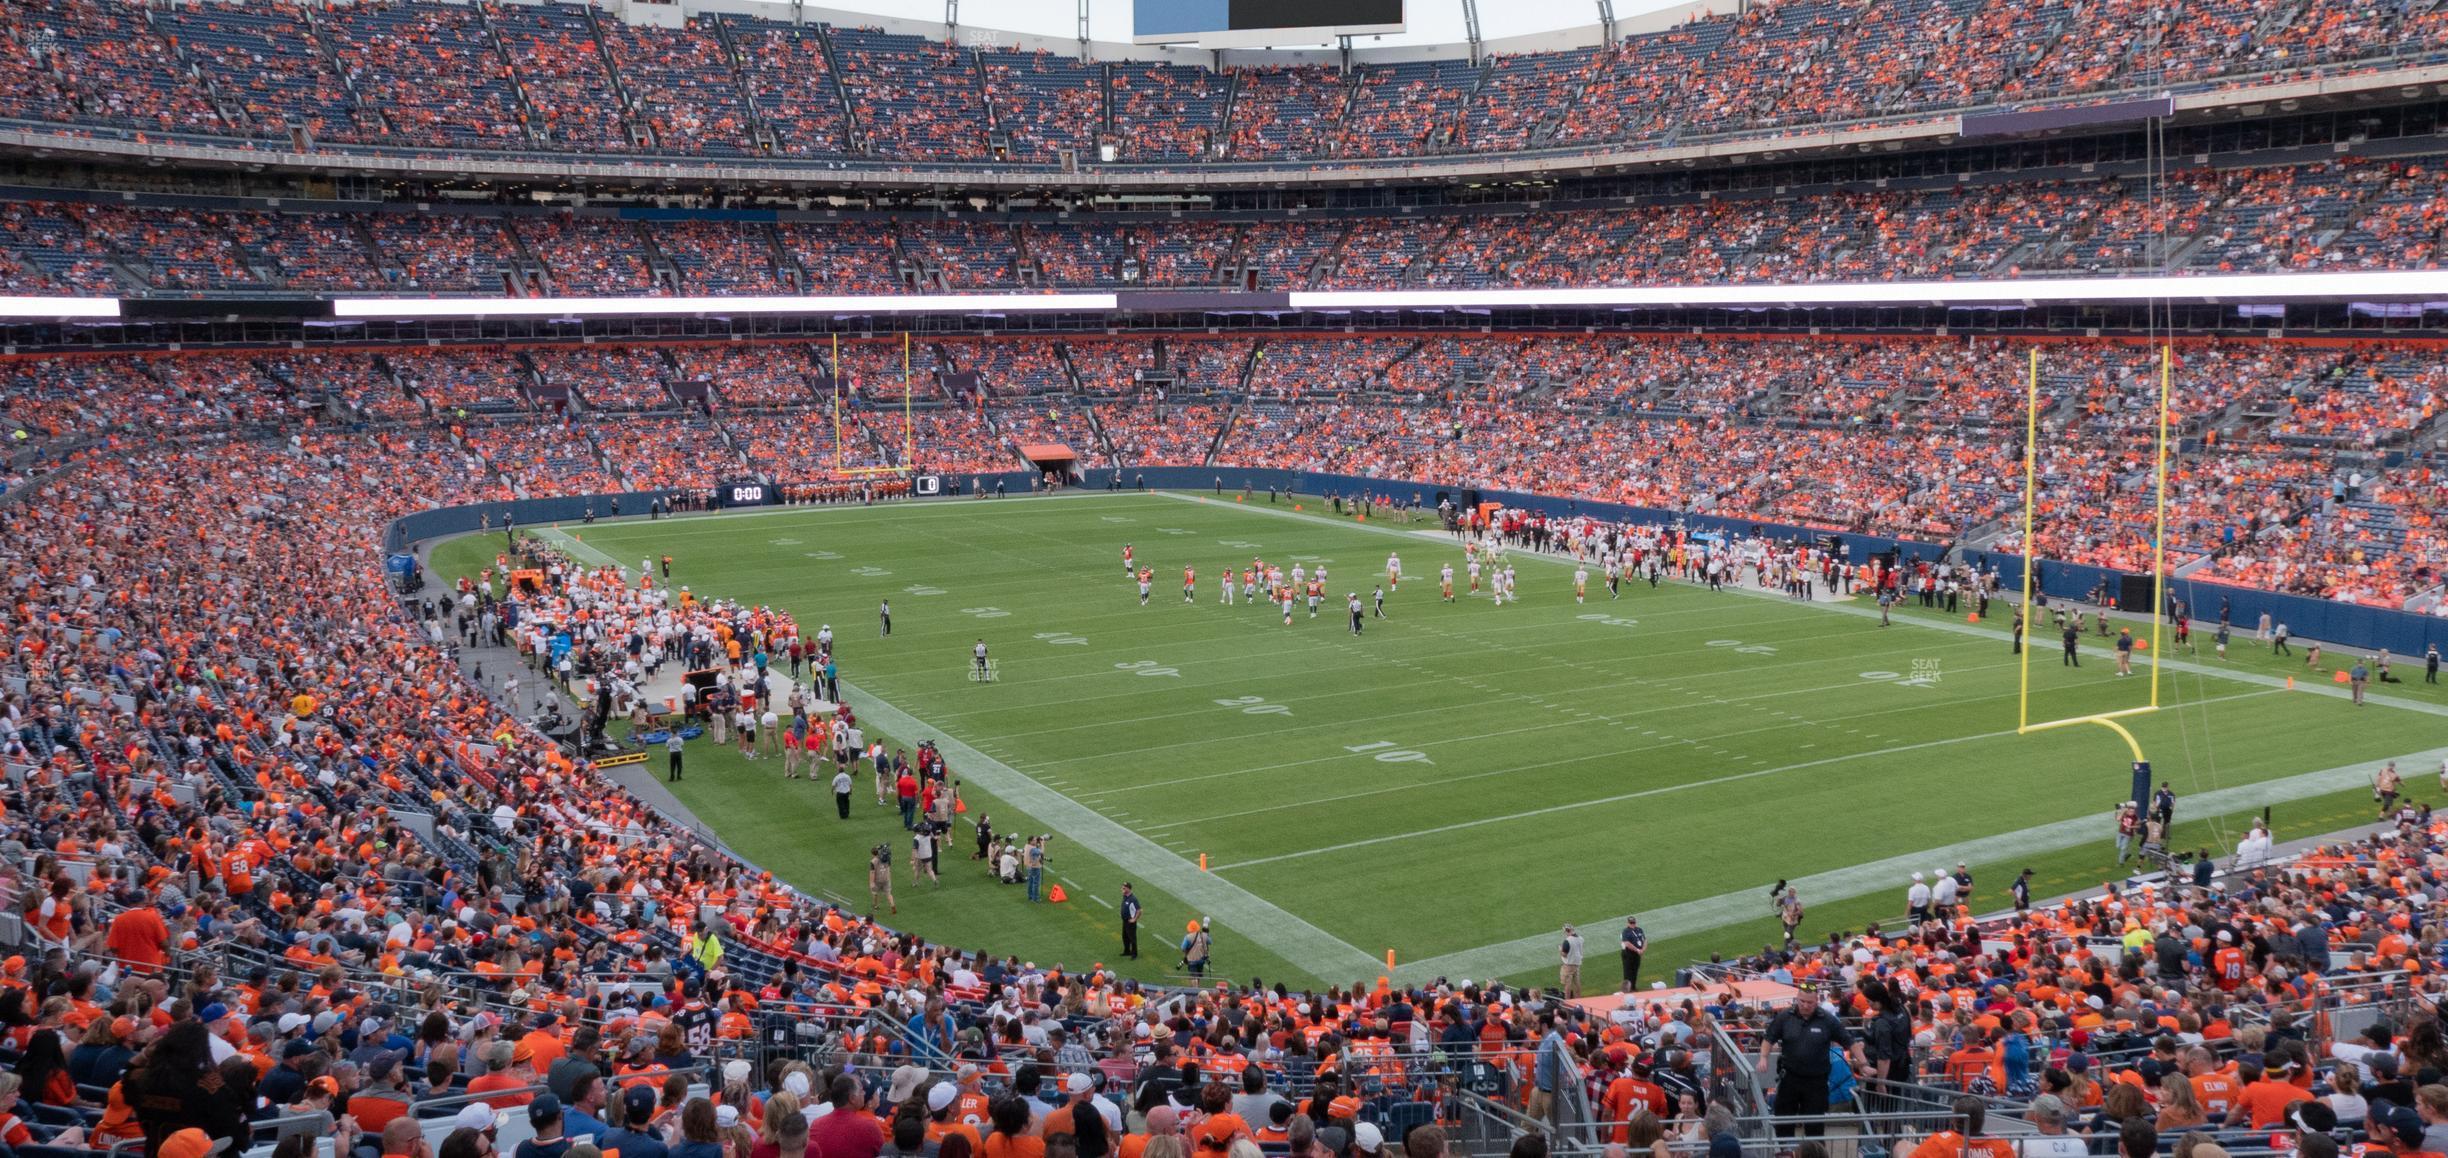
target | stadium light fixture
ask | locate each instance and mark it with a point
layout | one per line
(2010, 293)
(2421, 284)
(32, 308)
(846, 306)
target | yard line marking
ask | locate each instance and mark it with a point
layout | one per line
(1707, 913)
(1209, 709)
(1322, 759)
(1100, 900)
(1619, 798)
(1271, 734)
(1520, 697)
(1254, 917)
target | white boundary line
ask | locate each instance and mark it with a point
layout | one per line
(1707, 913)
(1619, 798)
(1795, 722)
(1295, 940)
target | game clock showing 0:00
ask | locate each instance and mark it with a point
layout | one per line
(744, 495)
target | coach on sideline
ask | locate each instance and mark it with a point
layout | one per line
(1803, 1035)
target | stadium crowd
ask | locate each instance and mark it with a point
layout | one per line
(2338, 215)
(423, 74)
(2281, 483)
(293, 881)
(219, 864)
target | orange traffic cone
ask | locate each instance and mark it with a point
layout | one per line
(1057, 895)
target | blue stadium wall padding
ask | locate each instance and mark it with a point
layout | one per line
(2404, 633)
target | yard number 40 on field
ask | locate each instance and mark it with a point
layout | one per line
(1254, 706)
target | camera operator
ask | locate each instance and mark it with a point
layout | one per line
(879, 879)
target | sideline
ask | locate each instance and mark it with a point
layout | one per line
(1532, 952)
(1304, 945)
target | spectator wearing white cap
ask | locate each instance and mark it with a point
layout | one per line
(1917, 900)
(2047, 1115)
(906, 1082)
(941, 1100)
(1942, 894)
(1064, 1119)
(474, 1116)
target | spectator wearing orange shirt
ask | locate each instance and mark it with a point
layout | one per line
(2263, 1102)
(543, 1046)
(507, 1076)
(139, 936)
(2215, 1089)
(1977, 1067)
(1973, 1114)
(382, 1101)
(1221, 1127)
(940, 1124)
(2179, 1107)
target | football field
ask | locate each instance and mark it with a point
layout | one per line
(1457, 781)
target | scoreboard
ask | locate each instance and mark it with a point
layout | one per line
(1260, 23)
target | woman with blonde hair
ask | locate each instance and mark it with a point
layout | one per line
(1169, 1146)
(2346, 1096)
(731, 1124)
(2178, 1109)
(783, 1104)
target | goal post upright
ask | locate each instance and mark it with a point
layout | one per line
(2159, 522)
(2024, 725)
(2031, 497)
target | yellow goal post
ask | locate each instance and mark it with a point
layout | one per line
(2024, 724)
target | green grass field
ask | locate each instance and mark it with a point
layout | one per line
(1462, 779)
